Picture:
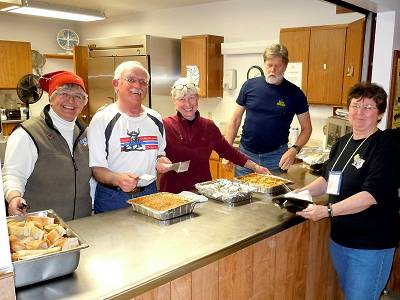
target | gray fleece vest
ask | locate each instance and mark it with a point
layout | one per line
(59, 181)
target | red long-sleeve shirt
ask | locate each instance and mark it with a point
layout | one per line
(194, 141)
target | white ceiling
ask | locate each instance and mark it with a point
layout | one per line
(115, 8)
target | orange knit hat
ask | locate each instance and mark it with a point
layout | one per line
(52, 81)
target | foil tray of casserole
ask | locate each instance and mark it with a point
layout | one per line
(225, 190)
(266, 184)
(34, 262)
(163, 206)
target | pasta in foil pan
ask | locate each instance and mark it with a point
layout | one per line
(225, 190)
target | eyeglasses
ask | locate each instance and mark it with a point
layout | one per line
(132, 80)
(368, 107)
(75, 97)
(181, 86)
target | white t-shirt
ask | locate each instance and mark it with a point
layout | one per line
(134, 144)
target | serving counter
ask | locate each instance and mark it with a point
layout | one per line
(256, 250)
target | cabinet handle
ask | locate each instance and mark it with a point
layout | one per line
(324, 67)
(350, 71)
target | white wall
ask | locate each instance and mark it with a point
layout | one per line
(383, 53)
(237, 21)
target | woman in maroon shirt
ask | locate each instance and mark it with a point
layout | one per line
(192, 137)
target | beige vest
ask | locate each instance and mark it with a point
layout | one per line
(59, 181)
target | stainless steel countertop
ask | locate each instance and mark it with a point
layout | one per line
(130, 253)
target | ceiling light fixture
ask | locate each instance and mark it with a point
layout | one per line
(6, 5)
(43, 9)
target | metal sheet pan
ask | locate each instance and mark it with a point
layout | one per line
(47, 266)
(163, 214)
(276, 189)
(225, 190)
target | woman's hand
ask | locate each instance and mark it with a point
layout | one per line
(261, 170)
(314, 212)
(17, 206)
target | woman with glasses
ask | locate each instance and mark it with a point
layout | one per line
(47, 158)
(192, 137)
(362, 183)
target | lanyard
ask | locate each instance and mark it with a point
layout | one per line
(351, 156)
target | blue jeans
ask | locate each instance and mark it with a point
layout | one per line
(363, 273)
(269, 160)
(106, 199)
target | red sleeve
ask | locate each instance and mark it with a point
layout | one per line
(223, 148)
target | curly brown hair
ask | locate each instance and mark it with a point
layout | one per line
(369, 90)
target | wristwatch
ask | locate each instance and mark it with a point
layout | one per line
(297, 148)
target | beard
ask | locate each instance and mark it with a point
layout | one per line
(274, 79)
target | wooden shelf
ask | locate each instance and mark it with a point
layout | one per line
(59, 56)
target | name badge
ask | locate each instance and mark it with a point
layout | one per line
(334, 181)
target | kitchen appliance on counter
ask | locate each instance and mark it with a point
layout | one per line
(159, 55)
(13, 114)
(336, 128)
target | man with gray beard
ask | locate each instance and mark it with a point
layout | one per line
(126, 141)
(270, 103)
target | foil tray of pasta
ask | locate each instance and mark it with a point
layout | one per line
(225, 190)
(42, 247)
(163, 205)
(267, 184)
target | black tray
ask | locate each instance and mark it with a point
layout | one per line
(291, 204)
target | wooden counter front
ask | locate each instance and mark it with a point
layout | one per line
(293, 264)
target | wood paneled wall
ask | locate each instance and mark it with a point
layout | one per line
(293, 264)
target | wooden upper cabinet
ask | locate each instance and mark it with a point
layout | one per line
(297, 41)
(204, 51)
(80, 61)
(15, 62)
(331, 56)
(353, 56)
(326, 61)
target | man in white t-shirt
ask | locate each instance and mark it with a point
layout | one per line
(126, 141)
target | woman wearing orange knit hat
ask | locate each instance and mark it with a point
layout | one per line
(46, 161)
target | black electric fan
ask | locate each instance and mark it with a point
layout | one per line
(29, 90)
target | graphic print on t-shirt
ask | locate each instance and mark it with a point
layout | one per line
(135, 142)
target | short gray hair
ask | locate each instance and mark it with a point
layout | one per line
(183, 87)
(68, 87)
(127, 65)
(276, 50)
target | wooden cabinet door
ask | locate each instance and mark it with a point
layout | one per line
(227, 174)
(80, 61)
(8, 128)
(215, 66)
(16, 61)
(214, 165)
(326, 62)
(297, 41)
(194, 52)
(204, 51)
(353, 56)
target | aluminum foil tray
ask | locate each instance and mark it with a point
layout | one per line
(266, 184)
(165, 214)
(225, 190)
(47, 266)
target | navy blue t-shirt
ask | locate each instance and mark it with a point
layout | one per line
(269, 112)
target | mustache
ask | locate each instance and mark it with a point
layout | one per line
(136, 91)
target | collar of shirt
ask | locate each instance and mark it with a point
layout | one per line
(59, 122)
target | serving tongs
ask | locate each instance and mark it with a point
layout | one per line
(179, 167)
